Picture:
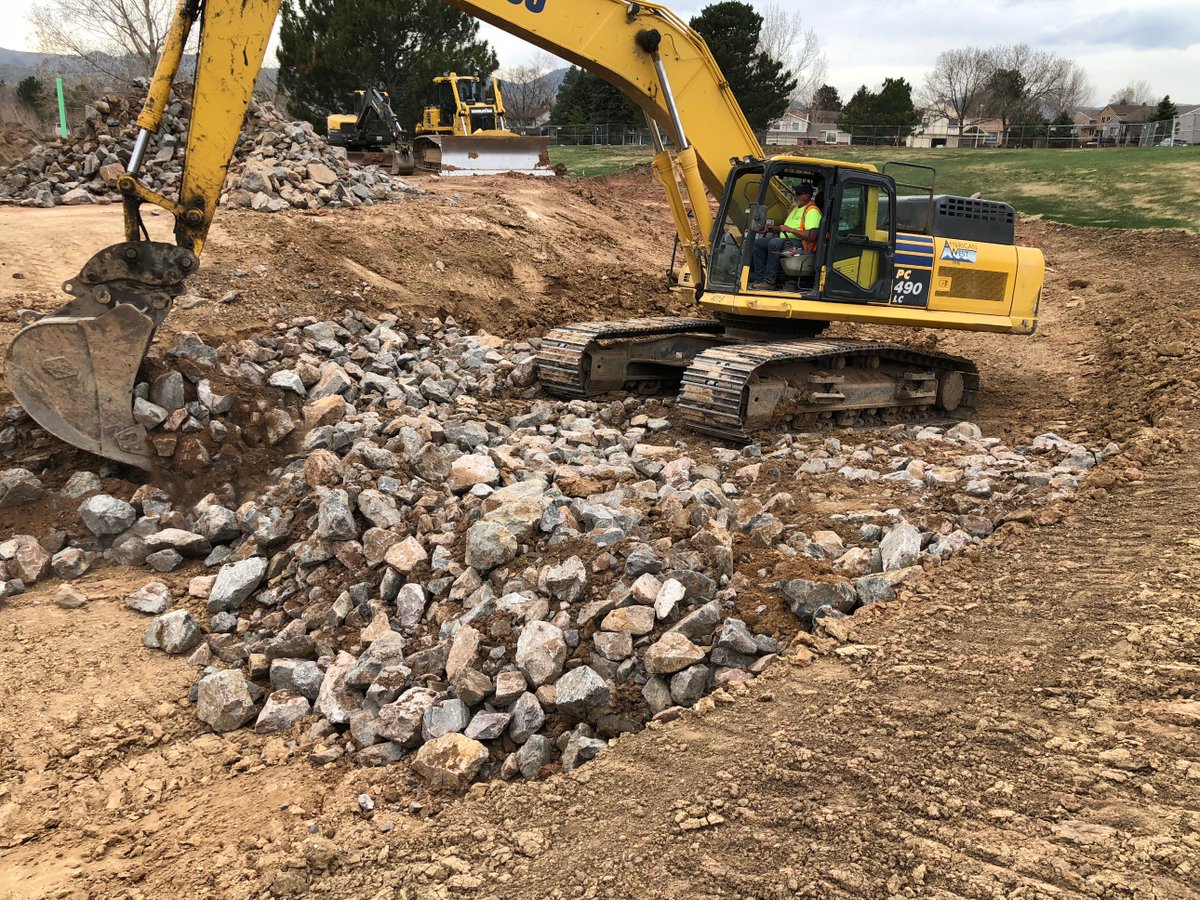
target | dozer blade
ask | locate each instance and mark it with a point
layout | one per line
(484, 155)
(75, 377)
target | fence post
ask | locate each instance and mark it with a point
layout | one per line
(62, 109)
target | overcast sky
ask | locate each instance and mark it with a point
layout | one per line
(865, 41)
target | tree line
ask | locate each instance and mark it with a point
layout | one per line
(331, 48)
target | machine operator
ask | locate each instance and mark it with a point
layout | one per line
(801, 226)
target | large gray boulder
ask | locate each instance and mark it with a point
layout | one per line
(235, 582)
(175, 632)
(489, 544)
(541, 652)
(581, 691)
(900, 547)
(223, 700)
(106, 515)
(805, 597)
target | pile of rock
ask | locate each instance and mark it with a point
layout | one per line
(278, 164)
(448, 565)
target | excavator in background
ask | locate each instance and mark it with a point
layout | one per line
(373, 136)
(756, 361)
(463, 133)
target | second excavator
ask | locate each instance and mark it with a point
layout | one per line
(754, 361)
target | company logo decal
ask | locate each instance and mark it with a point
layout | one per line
(958, 254)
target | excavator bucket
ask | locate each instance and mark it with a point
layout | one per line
(75, 377)
(394, 162)
(74, 370)
(484, 154)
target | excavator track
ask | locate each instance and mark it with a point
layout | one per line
(735, 390)
(566, 364)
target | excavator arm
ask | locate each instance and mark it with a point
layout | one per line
(74, 370)
(378, 104)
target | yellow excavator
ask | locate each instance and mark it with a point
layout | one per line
(373, 136)
(464, 133)
(755, 361)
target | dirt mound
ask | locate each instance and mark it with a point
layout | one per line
(16, 141)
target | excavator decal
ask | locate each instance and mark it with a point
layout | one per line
(534, 6)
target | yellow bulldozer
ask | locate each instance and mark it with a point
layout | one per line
(463, 132)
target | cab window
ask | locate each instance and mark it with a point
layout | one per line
(733, 228)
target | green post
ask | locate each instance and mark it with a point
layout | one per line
(62, 109)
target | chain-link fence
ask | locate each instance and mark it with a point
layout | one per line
(1113, 133)
(606, 135)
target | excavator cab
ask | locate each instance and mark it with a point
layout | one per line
(856, 242)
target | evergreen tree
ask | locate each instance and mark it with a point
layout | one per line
(585, 100)
(894, 109)
(827, 99)
(328, 49)
(885, 117)
(1062, 130)
(31, 93)
(1166, 110)
(761, 84)
(1007, 99)
(858, 115)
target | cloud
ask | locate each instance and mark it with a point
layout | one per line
(1142, 29)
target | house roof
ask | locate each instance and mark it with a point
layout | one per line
(1128, 109)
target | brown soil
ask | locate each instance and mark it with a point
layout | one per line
(1023, 721)
(16, 141)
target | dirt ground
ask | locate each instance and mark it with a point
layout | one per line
(1021, 722)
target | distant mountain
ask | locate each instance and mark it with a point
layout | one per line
(553, 80)
(18, 64)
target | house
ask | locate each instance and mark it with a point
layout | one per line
(1085, 119)
(1121, 123)
(1187, 124)
(936, 130)
(802, 127)
(939, 130)
(788, 129)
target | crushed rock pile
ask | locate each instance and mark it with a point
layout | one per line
(447, 566)
(277, 165)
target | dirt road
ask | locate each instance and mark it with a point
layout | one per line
(1021, 722)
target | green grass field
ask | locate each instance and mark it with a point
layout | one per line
(1141, 187)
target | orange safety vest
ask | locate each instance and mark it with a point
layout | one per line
(809, 246)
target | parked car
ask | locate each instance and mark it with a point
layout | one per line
(1172, 142)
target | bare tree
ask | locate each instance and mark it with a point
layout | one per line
(528, 92)
(784, 38)
(956, 86)
(119, 39)
(1076, 90)
(1044, 73)
(1136, 93)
